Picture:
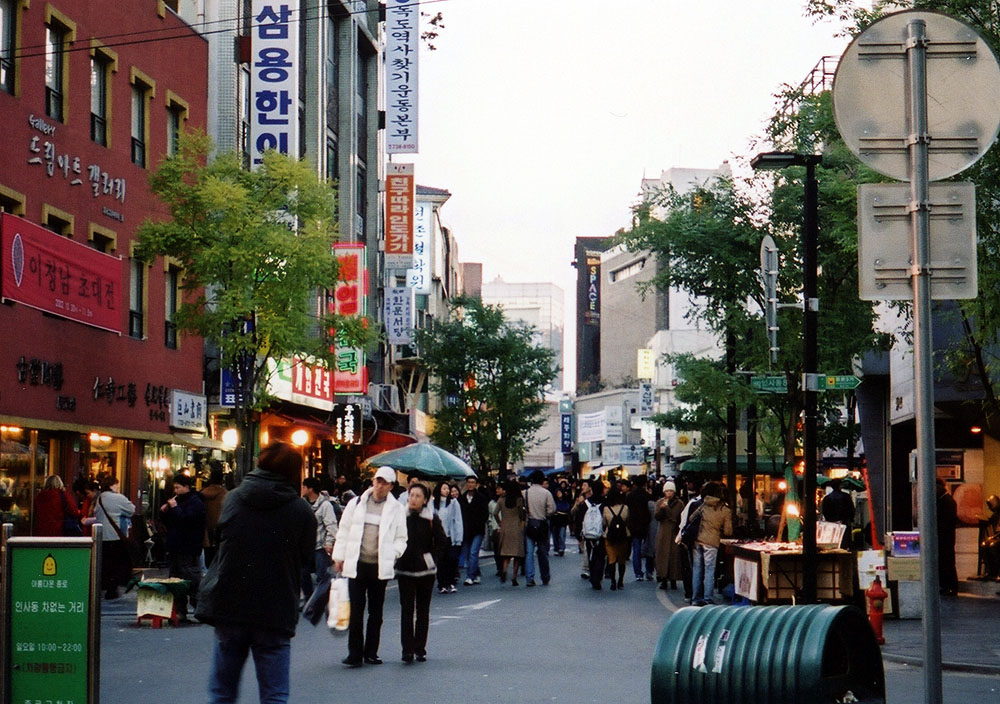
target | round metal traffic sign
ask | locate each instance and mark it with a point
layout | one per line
(870, 95)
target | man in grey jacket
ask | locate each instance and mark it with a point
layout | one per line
(540, 506)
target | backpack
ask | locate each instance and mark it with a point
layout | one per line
(593, 522)
(617, 532)
(689, 533)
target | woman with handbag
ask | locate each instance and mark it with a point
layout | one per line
(511, 515)
(109, 506)
(56, 513)
(415, 570)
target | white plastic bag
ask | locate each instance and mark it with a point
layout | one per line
(339, 608)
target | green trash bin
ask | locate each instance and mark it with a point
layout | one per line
(816, 654)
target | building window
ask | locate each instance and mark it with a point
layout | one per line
(331, 156)
(361, 89)
(244, 136)
(172, 287)
(332, 75)
(136, 299)
(101, 239)
(139, 98)
(362, 200)
(628, 270)
(100, 69)
(8, 17)
(11, 201)
(57, 221)
(177, 113)
(55, 70)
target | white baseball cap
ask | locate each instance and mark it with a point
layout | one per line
(387, 474)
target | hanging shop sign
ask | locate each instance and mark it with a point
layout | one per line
(54, 274)
(400, 190)
(302, 380)
(419, 276)
(188, 411)
(346, 421)
(274, 78)
(398, 315)
(350, 375)
(402, 47)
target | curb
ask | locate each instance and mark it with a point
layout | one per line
(981, 669)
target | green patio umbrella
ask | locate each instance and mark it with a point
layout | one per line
(424, 460)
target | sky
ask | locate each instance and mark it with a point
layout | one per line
(541, 117)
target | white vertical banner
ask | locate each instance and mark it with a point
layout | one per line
(402, 45)
(398, 315)
(419, 277)
(274, 78)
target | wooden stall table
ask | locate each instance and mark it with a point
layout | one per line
(771, 572)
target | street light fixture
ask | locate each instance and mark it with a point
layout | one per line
(810, 236)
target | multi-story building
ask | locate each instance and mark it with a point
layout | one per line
(539, 305)
(96, 377)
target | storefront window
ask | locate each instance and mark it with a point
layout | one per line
(26, 457)
(159, 463)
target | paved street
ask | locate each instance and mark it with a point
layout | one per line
(491, 643)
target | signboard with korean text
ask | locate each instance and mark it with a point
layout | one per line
(647, 399)
(345, 422)
(227, 388)
(592, 307)
(400, 192)
(54, 274)
(645, 364)
(188, 411)
(274, 78)
(419, 276)
(398, 315)
(402, 45)
(566, 432)
(591, 427)
(350, 375)
(304, 381)
(49, 648)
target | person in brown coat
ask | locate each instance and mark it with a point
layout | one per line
(716, 522)
(511, 515)
(213, 495)
(668, 552)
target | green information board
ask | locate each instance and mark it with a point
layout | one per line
(49, 617)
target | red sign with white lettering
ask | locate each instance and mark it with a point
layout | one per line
(350, 375)
(57, 275)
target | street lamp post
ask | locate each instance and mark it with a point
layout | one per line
(810, 236)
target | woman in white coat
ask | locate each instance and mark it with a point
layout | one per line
(372, 536)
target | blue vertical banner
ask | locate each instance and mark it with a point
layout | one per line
(566, 432)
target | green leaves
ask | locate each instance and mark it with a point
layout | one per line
(492, 377)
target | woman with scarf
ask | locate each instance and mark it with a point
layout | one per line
(415, 571)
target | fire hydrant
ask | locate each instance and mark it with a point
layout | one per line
(876, 604)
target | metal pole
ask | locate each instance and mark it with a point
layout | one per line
(916, 64)
(810, 236)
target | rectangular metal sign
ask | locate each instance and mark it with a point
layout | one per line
(772, 384)
(274, 78)
(50, 621)
(885, 241)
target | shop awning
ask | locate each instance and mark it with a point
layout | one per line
(384, 441)
(765, 465)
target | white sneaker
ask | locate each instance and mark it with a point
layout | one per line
(476, 580)
(468, 582)
(452, 589)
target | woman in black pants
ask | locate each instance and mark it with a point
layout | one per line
(415, 571)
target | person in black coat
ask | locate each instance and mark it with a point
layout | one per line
(184, 516)
(947, 515)
(251, 591)
(415, 571)
(838, 507)
(475, 512)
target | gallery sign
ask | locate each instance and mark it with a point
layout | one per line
(57, 275)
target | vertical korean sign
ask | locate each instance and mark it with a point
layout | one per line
(50, 623)
(400, 190)
(402, 43)
(419, 276)
(398, 315)
(274, 78)
(350, 376)
(592, 311)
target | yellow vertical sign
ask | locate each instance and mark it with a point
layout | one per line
(645, 366)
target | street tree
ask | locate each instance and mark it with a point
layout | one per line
(492, 376)
(255, 256)
(975, 351)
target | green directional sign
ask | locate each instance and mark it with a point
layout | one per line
(770, 384)
(839, 382)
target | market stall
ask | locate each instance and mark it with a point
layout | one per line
(771, 572)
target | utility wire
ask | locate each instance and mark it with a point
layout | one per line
(35, 50)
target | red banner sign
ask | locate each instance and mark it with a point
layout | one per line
(350, 376)
(57, 275)
(399, 200)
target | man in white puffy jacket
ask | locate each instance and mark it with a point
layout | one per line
(372, 536)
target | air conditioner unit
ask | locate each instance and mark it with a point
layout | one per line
(385, 397)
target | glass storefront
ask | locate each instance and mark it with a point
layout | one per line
(27, 457)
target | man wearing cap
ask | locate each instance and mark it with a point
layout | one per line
(371, 538)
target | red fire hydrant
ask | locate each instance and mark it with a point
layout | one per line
(876, 604)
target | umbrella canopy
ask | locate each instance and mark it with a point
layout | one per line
(424, 460)
(849, 483)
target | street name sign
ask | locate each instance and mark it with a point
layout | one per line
(839, 382)
(769, 384)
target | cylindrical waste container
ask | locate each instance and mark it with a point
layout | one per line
(817, 654)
